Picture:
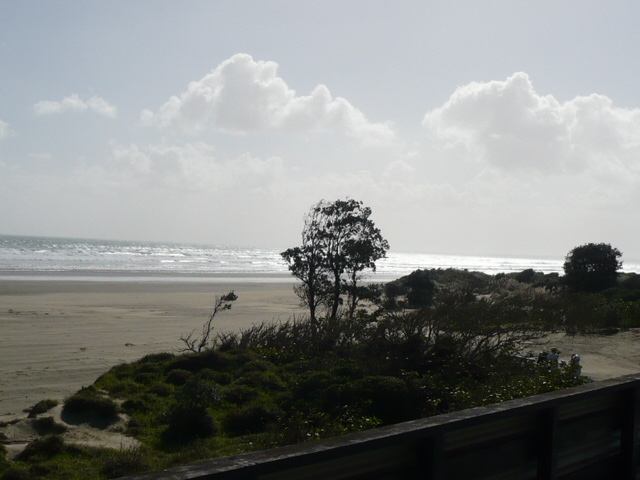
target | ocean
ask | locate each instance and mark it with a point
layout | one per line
(51, 258)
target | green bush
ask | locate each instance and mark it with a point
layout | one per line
(145, 378)
(155, 358)
(187, 423)
(199, 393)
(254, 417)
(117, 385)
(178, 376)
(17, 473)
(88, 402)
(41, 448)
(257, 365)
(308, 386)
(47, 425)
(262, 380)
(389, 399)
(194, 362)
(161, 390)
(134, 405)
(124, 461)
(41, 407)
(239, 394)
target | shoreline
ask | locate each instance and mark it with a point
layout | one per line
(57, 336)
(141, 276)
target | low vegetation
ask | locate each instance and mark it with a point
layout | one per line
(42, 406)
(282, 383)
(433, 342)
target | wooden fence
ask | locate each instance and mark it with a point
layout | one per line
(588, 432)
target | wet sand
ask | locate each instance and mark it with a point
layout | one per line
(59, 335)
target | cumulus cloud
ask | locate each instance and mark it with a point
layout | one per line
(74, 103)
(5, 130)
(194, 166)
(508, 125)
(242, 95)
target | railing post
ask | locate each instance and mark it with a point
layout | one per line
(548, 443)
(629, 433)
(433, 459)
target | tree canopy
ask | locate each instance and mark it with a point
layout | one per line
(592, 267)
(339, 242)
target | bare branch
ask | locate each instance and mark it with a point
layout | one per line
(200, 343)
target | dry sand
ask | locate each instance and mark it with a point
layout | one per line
(602, 356)
(59, 335)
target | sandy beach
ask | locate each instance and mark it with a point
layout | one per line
(59, 335)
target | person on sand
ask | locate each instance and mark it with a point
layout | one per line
(574, 365)
(553, 357)
(542, 357)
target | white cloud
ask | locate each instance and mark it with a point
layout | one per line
(73, 103)
(242, 95)
(194, 167)
(508, 125)
(5, 130)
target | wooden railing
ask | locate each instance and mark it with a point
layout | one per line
(588, 432)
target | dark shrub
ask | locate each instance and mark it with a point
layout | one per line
(199, 393)
(337, 394)
(178, 376)
(161, 390)
(122, 371)
(386, 398)
(42, 406)
(254, 417)
(257, 365)
(309, 386)
(264, 380)
(420, 289)
(631, 281)
(46, 425)
(144, 378)
(156, 358)
(389, 399)
(149, 368)
(44, 447)
(121, 386)
(187, 423)
(592, 267)
(222, 378)
(131, 406)
(88, 403)
(197, 361)
(239, 394)
(525, 276)
(208, 374)
(125, 461)
(17, 473)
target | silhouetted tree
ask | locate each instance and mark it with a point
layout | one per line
(526, 276)
(420, 289)
(339, 242)
(592, 267)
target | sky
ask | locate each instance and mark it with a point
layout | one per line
(471, 128)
